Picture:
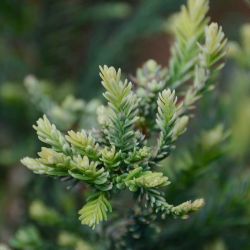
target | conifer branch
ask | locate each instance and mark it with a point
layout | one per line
(95, 210)
(83, 169)
(188, 27)
(123, 109)
(49, 134)
(121, 155)
(83, 144)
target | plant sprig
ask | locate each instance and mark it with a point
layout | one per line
(123, 153)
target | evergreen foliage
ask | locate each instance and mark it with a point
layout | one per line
(123, 153)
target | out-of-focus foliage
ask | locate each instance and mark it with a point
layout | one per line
(240, 89)
(27, 238)
(60, 40)
(241, 52)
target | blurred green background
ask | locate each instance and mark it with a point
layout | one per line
(61, 43)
